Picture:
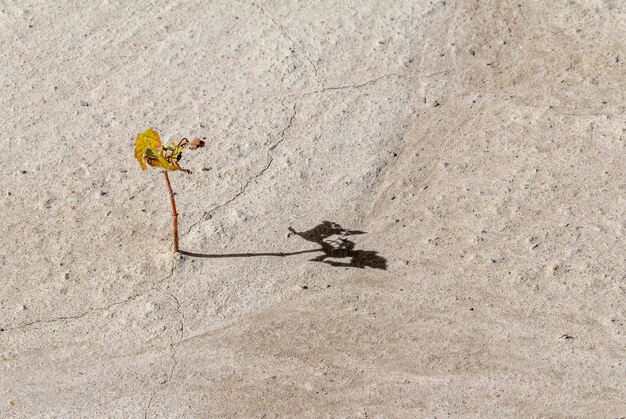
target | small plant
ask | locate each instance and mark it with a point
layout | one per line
(148, 149)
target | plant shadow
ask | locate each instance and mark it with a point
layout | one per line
(337, 250)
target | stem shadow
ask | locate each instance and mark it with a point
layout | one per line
(337, 250)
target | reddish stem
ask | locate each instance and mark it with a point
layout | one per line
(174, 213)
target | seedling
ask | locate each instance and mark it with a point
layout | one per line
(148, 149)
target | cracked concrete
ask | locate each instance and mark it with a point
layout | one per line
(479, 145)
(374, 80)
(248, 181)
(286, 34)
(92, 310)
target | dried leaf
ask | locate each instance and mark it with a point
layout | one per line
(196, 143)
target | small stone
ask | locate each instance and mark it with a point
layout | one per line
(436, 104)
(84, 103)
(67, 275)
(404, 261)
(554, 267)
(305, 287)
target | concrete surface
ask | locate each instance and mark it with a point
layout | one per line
(467, 156)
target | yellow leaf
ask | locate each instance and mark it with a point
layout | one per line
(149, 149)
(148, 144)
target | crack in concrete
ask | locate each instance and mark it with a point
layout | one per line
(96, 309)
(244, 188)
(374, 80)
(286, 35)
(284, 130)
(180, 313)
(172, 347)
(174, 364)
(145, 413)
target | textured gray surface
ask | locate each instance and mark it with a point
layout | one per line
(481, 146)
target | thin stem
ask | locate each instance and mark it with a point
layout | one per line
(174, 213)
